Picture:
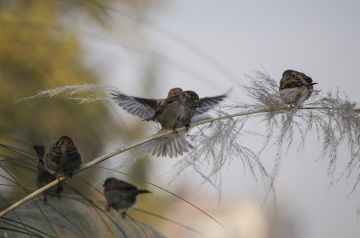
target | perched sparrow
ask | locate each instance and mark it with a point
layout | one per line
(176, 111)
(120, 195)
(295, 87)
(173, 112)
(44, 177)
(146, 107)
(63, 157)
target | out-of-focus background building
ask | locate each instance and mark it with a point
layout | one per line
(144, 48)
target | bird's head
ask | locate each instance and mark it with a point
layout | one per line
(174, 92)
(109, 181)
(192, 96)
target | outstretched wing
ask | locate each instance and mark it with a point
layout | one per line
(141, 107)
(208, 103)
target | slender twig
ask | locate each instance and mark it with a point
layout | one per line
(142, 141)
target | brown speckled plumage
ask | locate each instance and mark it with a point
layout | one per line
(44, 176)
(295, 87)
(63, 157)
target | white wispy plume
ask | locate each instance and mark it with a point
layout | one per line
(216, 145)
(217, 140)
(71, 93)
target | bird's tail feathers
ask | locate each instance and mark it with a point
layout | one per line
(142, 191)
(171, 145)
(40, 150)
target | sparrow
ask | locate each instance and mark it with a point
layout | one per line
(176, 111)
(146, 107)
(120, 195)
(173, 112)
(63, 157)
(295, 87)
(44, 177)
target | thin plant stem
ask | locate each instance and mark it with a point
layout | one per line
(142, 141)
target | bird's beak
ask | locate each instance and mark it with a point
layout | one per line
(197, 101)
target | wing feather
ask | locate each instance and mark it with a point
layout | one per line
(207, 103)
(141, 107)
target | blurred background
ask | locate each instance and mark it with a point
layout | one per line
(146, 47)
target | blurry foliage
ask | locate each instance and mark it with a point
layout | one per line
(32, 58)
(38, 53)
(73, 217)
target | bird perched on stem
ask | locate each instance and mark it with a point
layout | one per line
(63, 157)
(44, 177)
(173, 112)
(120, 195)
(176, 111)
(295, 87)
